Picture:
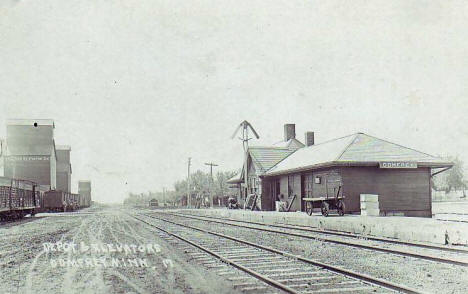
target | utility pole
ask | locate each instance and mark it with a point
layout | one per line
(188, 182)
(211, 164)
(164, 196)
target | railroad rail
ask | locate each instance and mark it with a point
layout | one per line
(451, 217)
(401, 252)
(343, 234)
(273, 266)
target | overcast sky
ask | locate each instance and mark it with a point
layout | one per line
(136, 87)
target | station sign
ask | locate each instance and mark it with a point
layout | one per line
(398, 164)
(15, 158)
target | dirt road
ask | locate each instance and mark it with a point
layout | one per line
(100, 250)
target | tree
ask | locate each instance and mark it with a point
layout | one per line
(453, 179)
(199, 185)
(455, 176)
(221, 186)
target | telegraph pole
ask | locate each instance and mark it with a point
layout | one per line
(188, 182)
(164, 196)
(211, 164)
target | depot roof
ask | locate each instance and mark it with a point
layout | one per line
(290, 144)
(354, 150)
(238, 178)
(264, 158)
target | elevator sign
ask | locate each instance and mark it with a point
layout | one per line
(398, 164)
(15, 158)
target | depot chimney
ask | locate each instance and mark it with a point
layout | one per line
(289, 132)
(309, 139)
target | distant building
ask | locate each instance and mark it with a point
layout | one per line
(64, 169)
(153, 202)
(84, 189)
(350, 166)
(30, 151)
(260, 159)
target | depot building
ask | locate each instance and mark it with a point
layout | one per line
(348, 166)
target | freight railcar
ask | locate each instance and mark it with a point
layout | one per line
(54, 201)
(153, 203)
(18, 198)
(74, 201)
(85, 199)
(59, 201)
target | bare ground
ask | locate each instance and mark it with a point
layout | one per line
(28, 268)
(431, 277)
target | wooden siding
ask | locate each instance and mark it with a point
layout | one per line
(284, 186)
(400, 190)
(330, 182)
(267, 202)
(295, 189)
(404, 191)
(289, 186)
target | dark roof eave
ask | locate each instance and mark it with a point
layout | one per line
(350, 163)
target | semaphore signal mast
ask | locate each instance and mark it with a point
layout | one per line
(245, 125)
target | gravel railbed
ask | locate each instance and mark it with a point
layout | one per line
(381, 244)
(213, 242)
(425, 275)
(27, 268)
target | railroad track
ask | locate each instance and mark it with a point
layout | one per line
(457, 256)
(452, 217)
(274, 268)
(343, 234)
(12, 223)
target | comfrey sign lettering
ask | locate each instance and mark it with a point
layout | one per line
(398, 164)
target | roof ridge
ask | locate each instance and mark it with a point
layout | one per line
(347, 145)
(282, 141)
(256, 161)
(402, 146)
(331, 140)
(269, 147)
(293, 151)
(297, 140)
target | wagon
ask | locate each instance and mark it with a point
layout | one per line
(326, 204)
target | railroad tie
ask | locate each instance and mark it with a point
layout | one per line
(254, 288)
(327, 284)
(281, 270)
(246, 255)
(342, 290)
(239, 278)
(296, 274)
(264, 264)
(244, 284)
(240, 258)
(215, 266)
(225, 272)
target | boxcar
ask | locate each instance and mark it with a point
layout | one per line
(75, 201)
(56, 200)
(154, 202)
(85, 199)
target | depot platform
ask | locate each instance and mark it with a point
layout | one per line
(402, 228)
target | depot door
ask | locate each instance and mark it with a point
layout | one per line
(275, 191)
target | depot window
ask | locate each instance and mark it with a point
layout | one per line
(318, 180)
